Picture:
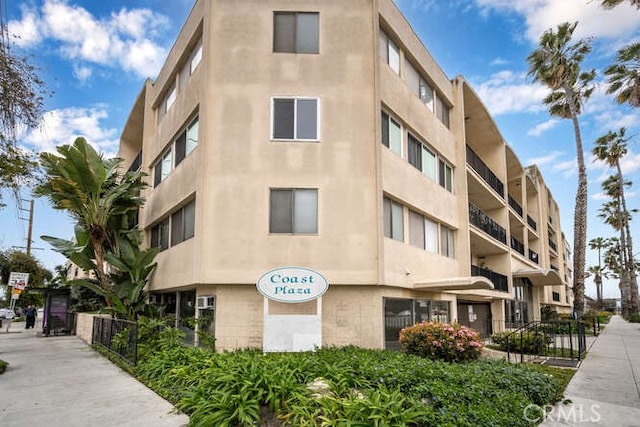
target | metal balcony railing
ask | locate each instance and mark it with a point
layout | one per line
(554, 268)
(500, 282)
(533, 256)
(532, 223)
(485, 173)
(553, 245)
(485, 223)
(515, 206)
(517, 245)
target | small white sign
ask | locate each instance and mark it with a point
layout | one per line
(18, 280)
(292, 284)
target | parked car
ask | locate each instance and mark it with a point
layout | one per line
(7, 313)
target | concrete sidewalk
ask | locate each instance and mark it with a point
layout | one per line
(606, 389)
(61, 381)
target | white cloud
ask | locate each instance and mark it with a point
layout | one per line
(540, 15)
(63, 126)
(499, 61)
(125, 39)
(567, 168)
(546, 159)
(543, 127)
(82, 73)
(509, 92)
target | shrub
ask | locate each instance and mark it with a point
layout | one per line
(3, 366)
(634, 318)
(443, 341)
(525, 342)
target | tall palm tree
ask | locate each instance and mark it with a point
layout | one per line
(598, 271)
(610, 4)
(100, 198)
(556, 63)
(624, 75)
(611, 148)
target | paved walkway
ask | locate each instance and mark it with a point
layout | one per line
(606, 389)
(60, 381)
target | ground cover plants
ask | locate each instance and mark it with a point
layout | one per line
(341, 386)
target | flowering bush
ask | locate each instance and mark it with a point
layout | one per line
(450, 342)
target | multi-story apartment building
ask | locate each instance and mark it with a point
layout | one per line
(322, 136)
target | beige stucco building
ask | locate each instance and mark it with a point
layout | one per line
(312, 134)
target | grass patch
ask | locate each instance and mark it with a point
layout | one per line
(363, 387)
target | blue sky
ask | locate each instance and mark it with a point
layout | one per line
(95, 55)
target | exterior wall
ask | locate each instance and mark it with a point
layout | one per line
(236, 163)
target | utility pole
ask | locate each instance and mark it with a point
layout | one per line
(30, 231)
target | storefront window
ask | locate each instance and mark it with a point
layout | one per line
(402, 312)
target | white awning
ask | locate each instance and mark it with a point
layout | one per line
(454, 284)
(540, 276)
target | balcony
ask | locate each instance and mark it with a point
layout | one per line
(515, 206)
(485, 223)
(485, 173)
(532, 223)
(499, 281)
(517, 245)
(553, 245)
(554, 268)
(533, 256)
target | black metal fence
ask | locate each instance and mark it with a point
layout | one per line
(119, 337)
(500, 281)
(557, 342)
(484, 171)
(485, 223)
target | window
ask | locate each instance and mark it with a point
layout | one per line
(447, 242)
(389, 52)
(402, 312)
(391, 134)
(196, 57)
(162, 168)
(187, 141)
(423, 234)
(183, 224)
(393, 220)
(170, 98)
(295, 119)
(421, 157)
(555, 296)
(160, 235)
(293, 211)
(295, 32)
(418, 85)
(442, 111)
(445, 176)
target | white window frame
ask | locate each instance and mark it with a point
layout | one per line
(295, 119)
(391, 118)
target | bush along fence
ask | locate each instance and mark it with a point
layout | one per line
(557, 342)
(119, 337)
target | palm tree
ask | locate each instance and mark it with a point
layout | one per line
(610, 4)
(597, 270)
(557, 64)
(99, 198)
(624, 75)
(611, 148)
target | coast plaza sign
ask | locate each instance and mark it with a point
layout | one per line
(292, 284)
(292, 332)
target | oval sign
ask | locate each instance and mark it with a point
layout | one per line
(292, 284)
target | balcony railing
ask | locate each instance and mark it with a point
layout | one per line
(500, 282)
(532, 223)
(485, 223)
(483, 170)
(533, 256)
(515, 206)
(517, 245)
(553, 245)
(554, 268)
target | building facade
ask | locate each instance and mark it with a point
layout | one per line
(309, 134)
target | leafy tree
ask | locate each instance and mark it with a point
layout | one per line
(20, 262)
(611, 148)
(104, 202)
(624, 76)
(556, 63)
(21, 107)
